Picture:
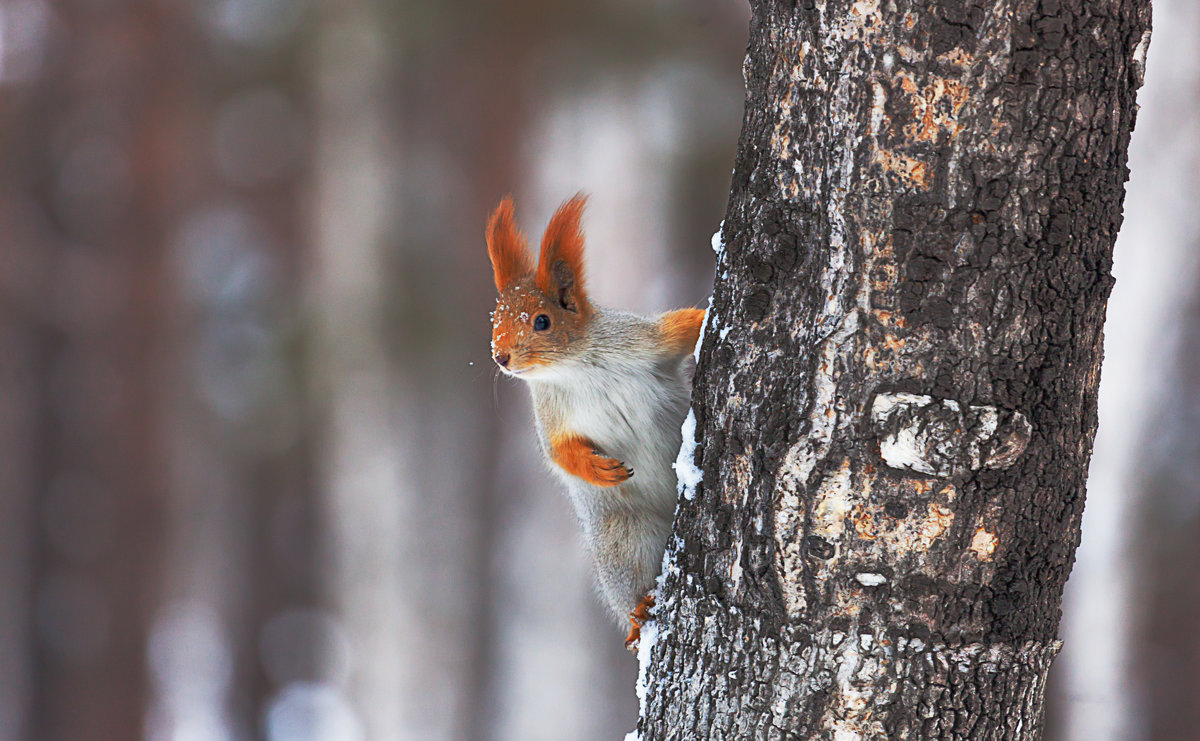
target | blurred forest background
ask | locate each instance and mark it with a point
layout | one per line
(258, 479)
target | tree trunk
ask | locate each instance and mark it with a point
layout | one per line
(896, 396)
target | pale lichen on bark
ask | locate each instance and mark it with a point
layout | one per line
(942, 437)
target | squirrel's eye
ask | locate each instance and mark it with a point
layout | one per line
(541, 322)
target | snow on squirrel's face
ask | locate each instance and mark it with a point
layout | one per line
(541, 316)
(531, 333)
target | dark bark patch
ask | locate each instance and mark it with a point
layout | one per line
(819, 547)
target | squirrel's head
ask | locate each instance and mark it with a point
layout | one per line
(542, 313)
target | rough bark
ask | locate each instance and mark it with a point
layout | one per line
(896, 395)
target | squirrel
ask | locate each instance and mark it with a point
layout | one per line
(610, 391)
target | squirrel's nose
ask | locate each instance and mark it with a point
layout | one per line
(501, 359)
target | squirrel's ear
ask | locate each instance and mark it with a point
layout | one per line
(560, 269)
(506, 246)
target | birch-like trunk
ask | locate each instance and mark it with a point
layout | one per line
(896, 396)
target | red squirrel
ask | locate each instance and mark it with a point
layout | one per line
(610, 391)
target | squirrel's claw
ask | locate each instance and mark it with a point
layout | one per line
(610, 472)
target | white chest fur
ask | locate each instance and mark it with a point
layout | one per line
(632, 413)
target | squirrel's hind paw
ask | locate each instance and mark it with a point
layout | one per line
(637, 618)
(631, 640)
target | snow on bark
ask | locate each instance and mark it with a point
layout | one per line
(689, 475)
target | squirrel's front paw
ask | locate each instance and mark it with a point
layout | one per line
(578, 456)
(608, 471)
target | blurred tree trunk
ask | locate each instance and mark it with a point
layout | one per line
(368, 500)
(243, 583)
(83, 185)
(19, 389)
(896, 396)
(1168, 653)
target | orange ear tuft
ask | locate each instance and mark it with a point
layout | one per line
(506, 246)
(560, 268)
